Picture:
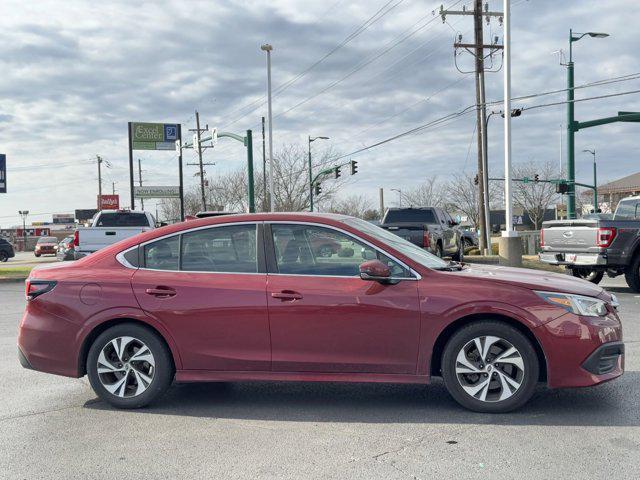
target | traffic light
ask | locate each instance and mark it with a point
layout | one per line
(354, 167)
(476, 180)
(562, 187)
(317, 190)
(336, 171)
(536, 178)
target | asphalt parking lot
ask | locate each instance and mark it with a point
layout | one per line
(54, 427)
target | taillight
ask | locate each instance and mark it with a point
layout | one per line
(605, 237)
(76, 238)
(35, 288)
(426, 241)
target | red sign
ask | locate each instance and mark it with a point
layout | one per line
(33, 232)
(109, 202)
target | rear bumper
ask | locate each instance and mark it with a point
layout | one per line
(578, 259)
(582, 351)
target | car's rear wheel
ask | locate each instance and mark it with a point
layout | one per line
(632, 274)
(490, 367)
(37, 254)
(459, 255)
(129, 366)
(593, 276)
(4, 256)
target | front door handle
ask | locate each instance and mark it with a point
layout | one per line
(161, 292)
(287, 295)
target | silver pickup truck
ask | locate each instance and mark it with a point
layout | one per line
(591, 247)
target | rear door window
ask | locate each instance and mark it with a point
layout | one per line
(230, 249)
(163, 254)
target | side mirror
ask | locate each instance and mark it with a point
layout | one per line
(453, 223)
(374, 270)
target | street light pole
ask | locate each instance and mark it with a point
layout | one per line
(268, 48)
(312, 139)
(571, 123)
(399, 196)
(595, 179)
(23, 214)
(509, 231)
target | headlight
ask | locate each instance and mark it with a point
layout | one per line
(578, 304)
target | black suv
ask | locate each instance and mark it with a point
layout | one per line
(6, 250)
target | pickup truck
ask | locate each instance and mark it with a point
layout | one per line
(428, 227)
(591, 247)
(108, 227)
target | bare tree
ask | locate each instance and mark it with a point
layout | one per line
(356, 206)
(535, 197)
(430, 193)
(462, 197)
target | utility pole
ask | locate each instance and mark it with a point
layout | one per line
(477, 49)
(99, 159)
(140, 182)
(381, 203)
(265, 193)
(204, 200)
(113, 188)
(268, 48)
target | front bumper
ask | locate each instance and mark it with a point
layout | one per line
(582, 351)
(568, 258)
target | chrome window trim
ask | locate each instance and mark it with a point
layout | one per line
(120, 256)
(416, 277)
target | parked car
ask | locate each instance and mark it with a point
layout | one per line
(428, 227)
(218, 299)
(591, 247)
(46, 246)
(109, 227)
(65, 250)
(6, 250)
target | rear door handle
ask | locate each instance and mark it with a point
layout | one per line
(161, 292)
(287, 295)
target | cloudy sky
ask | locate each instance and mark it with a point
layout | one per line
(75, 72)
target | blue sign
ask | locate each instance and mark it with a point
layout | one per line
(3, 173)
(170, 132)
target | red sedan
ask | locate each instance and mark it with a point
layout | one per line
(247, 297)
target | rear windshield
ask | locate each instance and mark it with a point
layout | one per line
(410, 216)
(628, 210)
(47, 240)
(122, 219)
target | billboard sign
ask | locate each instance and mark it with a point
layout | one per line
(3, 173)
(156, 192)
(153, 136)
(63, 218)
(109, 202)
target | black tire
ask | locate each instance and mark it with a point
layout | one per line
(459, 255)
(503, 331)
(37, 254)
(593, 276)
(4, 256)
(468, 243)
(439, 252)
(162, 375)
(632, 274)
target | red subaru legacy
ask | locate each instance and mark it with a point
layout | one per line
(247, 297)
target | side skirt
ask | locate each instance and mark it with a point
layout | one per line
(221, 376)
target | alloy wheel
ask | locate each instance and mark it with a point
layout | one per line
(490, 369)
(126, 367)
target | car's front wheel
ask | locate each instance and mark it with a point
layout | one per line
(490, 367)
(4, 256)
(129, 366)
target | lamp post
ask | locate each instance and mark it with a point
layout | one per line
(268, 48)
(595, 179)
(312, 139)
(571, 126)
(23, 214)
(399, 196)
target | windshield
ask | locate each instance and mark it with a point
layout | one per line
(123, 219)
(410, 215)
(403, 246)
(47, 240)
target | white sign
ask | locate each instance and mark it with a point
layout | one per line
(156, 192)
(214, 137)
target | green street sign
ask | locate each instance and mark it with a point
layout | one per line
(525, 180)
(153, 136)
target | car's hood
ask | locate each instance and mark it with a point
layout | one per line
(532, 279)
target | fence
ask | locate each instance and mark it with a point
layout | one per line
(530, 241)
